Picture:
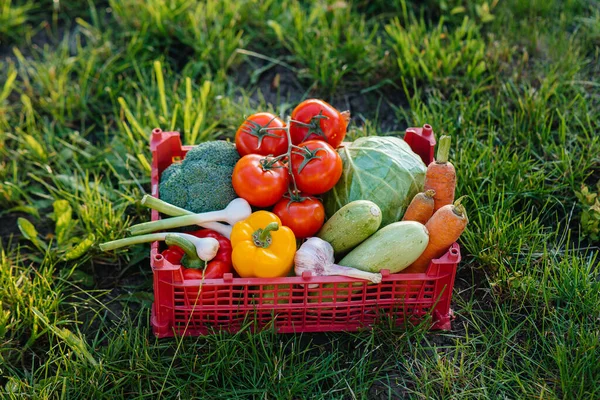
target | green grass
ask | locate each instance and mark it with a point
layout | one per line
(13, 19)
(514, 82)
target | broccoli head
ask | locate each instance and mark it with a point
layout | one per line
(202, 181)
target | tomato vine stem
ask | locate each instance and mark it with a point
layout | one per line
(291, 148)
(304, 124)
(289, 152)
(254, 129)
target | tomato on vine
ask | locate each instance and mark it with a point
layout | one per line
(261, 181)
(316, 119)
(259, 135)
(316, 166)
(303, 215)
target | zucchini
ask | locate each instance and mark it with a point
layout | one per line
(351, 225)
(394, 247)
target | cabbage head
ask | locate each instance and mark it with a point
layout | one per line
(382, 169)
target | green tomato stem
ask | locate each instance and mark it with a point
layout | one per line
(304, 124)
(289, 152)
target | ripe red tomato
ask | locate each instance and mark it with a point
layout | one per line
(316, 169)
(259, 180)
(322, 121)
(249, 139)
(304, 216)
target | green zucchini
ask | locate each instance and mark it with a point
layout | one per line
(394, 247)
(351, 225)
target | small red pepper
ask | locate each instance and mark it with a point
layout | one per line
(215, 268)
(173, 254)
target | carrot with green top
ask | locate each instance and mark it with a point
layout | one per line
(421, 207)
(441, 176)
(445, 227)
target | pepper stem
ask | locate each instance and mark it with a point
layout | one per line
(191, 259)
(443, 153)
(262, 236)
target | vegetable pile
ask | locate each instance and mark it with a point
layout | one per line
(290, 197)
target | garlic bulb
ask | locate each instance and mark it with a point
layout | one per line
(316, 256)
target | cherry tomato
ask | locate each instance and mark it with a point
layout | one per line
(317, 168)
(323, 120)
(303, 215)
(250, 139)
(259, 180)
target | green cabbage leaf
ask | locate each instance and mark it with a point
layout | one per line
(383, 169)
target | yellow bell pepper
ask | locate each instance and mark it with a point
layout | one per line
(262, 247)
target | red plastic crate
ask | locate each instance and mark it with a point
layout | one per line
(294, 304)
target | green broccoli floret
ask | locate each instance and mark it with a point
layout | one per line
(172, 169)
(217, 152)
(202, 182)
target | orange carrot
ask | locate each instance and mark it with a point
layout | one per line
(445, 227)
(441, 176)
(421, 207)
